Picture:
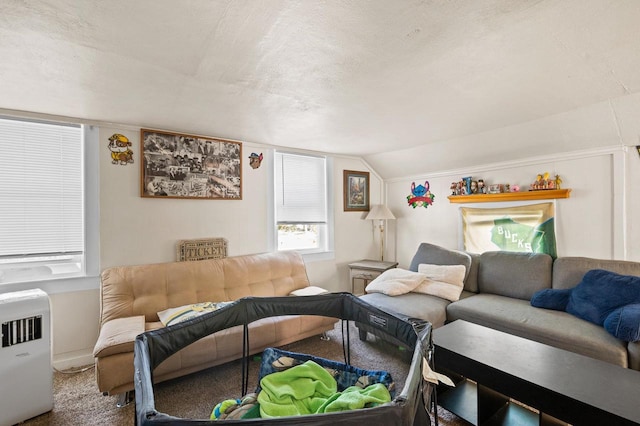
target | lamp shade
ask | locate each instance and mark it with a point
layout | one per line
(380, 211)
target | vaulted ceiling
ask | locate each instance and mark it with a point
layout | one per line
(347, 77)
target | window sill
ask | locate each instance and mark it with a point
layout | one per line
(54, 286)
(318, 257)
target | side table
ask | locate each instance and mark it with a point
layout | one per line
(367, 270)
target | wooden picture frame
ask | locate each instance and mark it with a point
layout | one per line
(356, 191)
(175, 165)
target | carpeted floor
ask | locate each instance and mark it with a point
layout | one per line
(78, 402)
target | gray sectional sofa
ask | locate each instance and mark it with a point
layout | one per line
(497, 291)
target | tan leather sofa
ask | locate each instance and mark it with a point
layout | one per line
(131, 297)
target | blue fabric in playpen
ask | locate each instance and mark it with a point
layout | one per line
(345, 375)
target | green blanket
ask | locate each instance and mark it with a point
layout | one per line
(309, 389)
(300, 390)
(354, 397)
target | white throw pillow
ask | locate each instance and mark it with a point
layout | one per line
(311, 290)
(175, 315)
(394, 282)
(444, 281)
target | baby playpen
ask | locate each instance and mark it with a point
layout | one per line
(408, 406)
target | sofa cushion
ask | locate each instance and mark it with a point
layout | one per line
(395, 281)
(633, 350)
(513, 274)
(555, 328)
(568, 271)
(151, 288)
(471, 282)
(117, 336)
(436, 255)
(445, 281)
(415, 305)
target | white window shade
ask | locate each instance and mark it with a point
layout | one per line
(300, 189)
(41, 198)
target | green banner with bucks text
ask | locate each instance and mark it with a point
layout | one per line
(529, 228)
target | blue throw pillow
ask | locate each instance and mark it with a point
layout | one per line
(550, 298)
(601, 292)
(624, 323)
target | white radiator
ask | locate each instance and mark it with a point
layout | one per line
(26, 373)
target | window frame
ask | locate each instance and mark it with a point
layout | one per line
(88, 277)
(327, 235)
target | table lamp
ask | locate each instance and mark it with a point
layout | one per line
(380, 212)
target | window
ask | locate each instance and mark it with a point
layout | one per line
(41, 200)
(301, 203)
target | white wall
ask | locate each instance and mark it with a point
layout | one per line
(135, 230)
(604, 124)
(591, 147)
(74, 319)
(598, 220)
(138, 230)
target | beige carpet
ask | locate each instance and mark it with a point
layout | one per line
(78, 402)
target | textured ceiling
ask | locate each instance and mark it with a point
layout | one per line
(347, 77)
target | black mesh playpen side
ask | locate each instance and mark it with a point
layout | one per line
(407, 408)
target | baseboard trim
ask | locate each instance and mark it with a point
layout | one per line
(73, 360)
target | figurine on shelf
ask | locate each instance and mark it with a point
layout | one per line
(481, 188)
(515, 188)
(474, 187)
(453, 188)
(558, 182)
(467, 185)
(537, 184)
(507, 187)
(495, 188)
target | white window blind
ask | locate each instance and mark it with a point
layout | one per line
(300, 189)
(41, 189)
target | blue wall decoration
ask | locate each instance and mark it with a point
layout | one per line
(420, 195)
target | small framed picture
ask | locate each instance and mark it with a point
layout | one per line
(495, 188)
(356, 191)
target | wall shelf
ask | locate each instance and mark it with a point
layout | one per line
(545, 194)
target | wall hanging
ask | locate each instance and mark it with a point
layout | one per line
(420, 195)
(201, 249)
(529, 228)
(356, 191)
(255, 160)
(186, 166)
(120, 151)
